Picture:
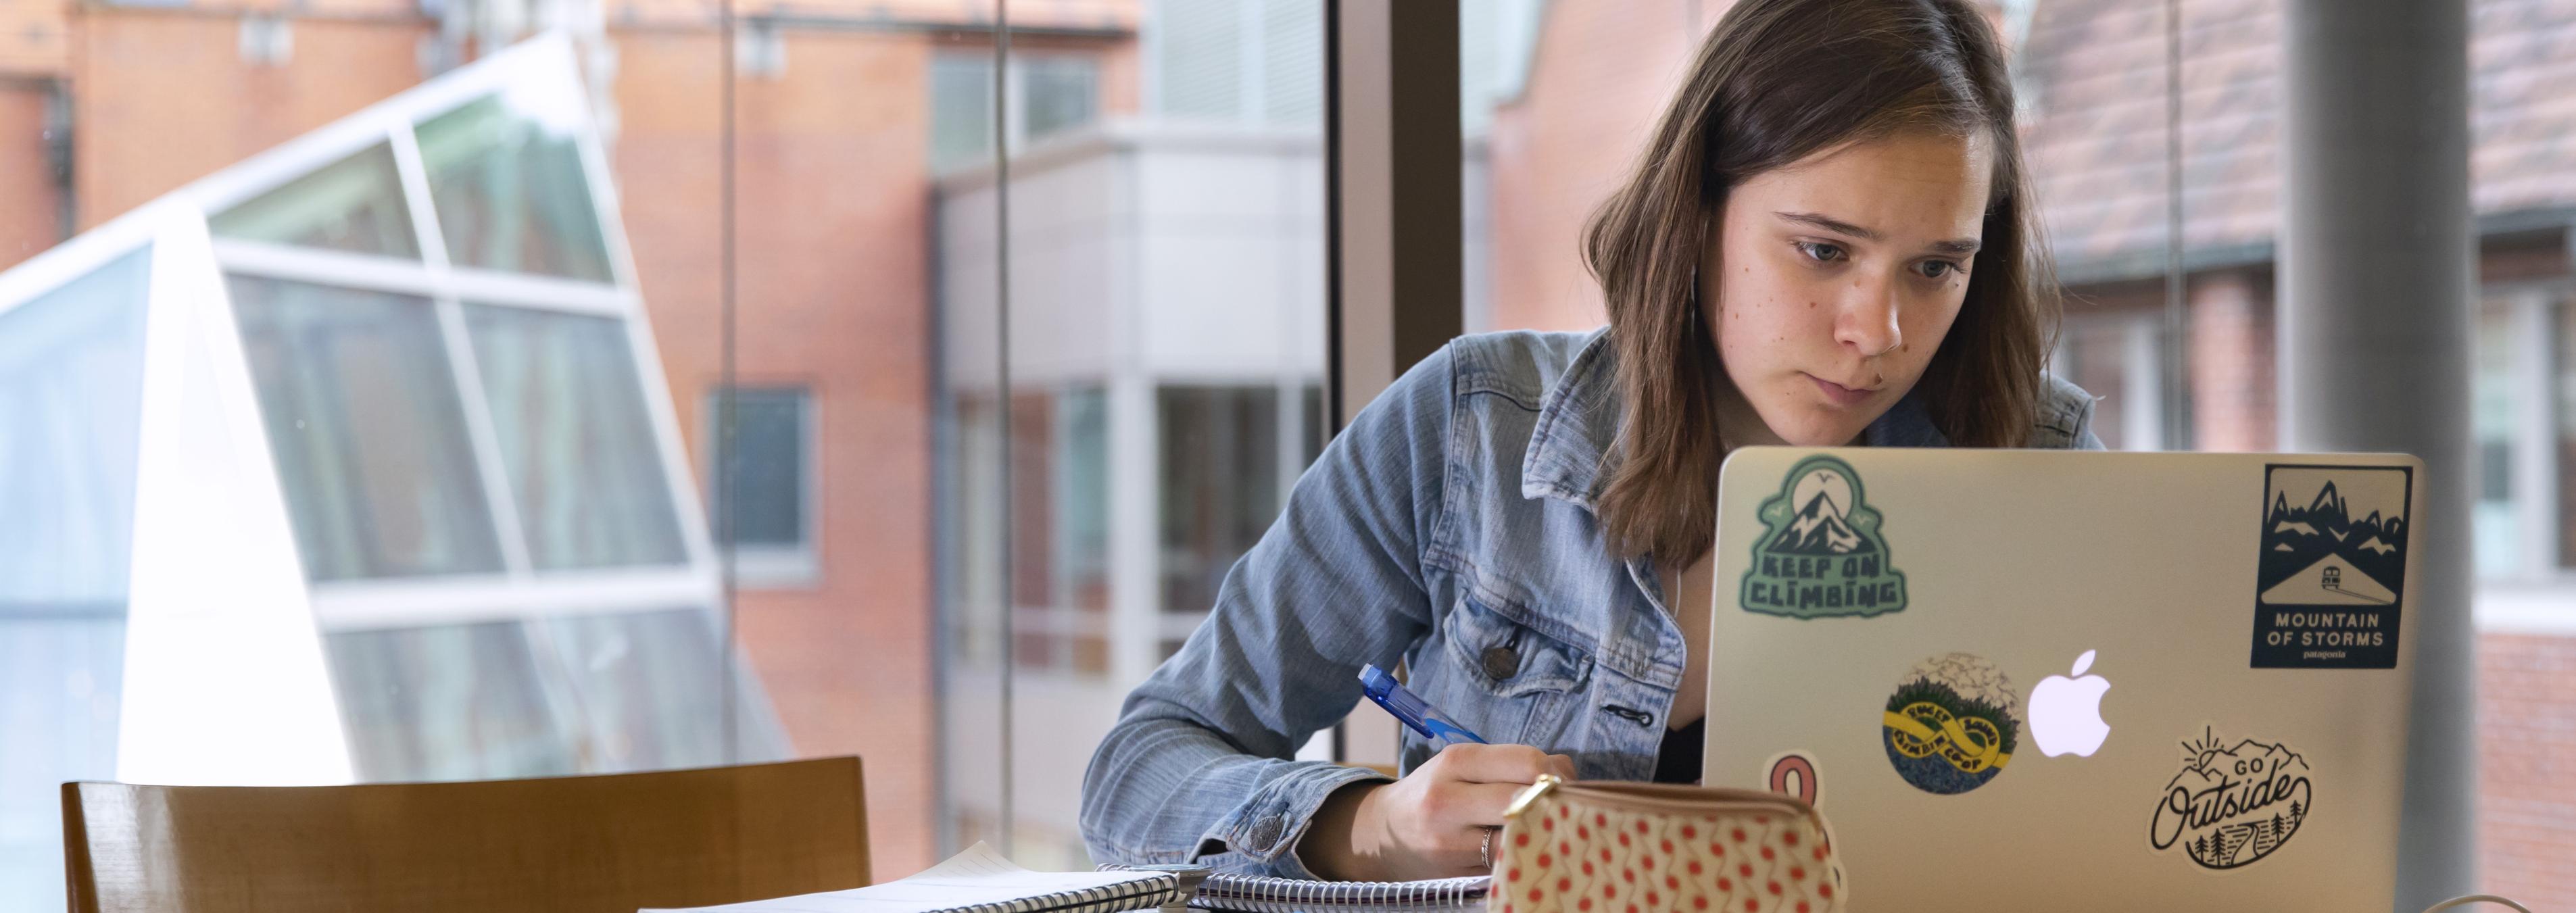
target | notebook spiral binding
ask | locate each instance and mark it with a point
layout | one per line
(1116, 898)
(1245, 894)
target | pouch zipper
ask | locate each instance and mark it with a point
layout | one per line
(1660, 797)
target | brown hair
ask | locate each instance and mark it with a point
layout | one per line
(1775, 82)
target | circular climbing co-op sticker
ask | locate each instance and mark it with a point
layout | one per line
(1952, 723)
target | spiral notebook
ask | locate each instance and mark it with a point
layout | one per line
(980, 880)
(1244, 894)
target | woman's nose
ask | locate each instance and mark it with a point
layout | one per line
(1867, 320)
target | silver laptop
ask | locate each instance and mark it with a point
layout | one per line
(2016, 679)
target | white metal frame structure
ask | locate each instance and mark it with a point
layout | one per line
(225, 676)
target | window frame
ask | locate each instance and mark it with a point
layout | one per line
(519, 592)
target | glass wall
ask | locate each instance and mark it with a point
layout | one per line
(620, 410)
(71, 385)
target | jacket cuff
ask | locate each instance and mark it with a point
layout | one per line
(1267, 827)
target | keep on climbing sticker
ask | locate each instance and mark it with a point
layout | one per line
(1823, 551)
(2332, 582)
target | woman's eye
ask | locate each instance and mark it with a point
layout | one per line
(1935, 269)
(1823, 252)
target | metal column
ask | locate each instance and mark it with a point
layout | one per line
(2375, 341)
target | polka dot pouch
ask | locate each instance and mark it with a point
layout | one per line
(1645, 848)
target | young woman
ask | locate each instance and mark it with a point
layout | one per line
(1828, 240)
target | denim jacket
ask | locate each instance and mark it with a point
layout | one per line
(1449, 528)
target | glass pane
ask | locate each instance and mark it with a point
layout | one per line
(769, 484)
(651, 691)
(363, 419)
(2563, 321)
(1059, 94)
(972, 544)
(453, 702)
(71, 372)
(1220, 475)
(568, 412)
(1084, 502)
(71, 395)
(506, 177)
(2496, 399)
(354, 205)
(561, 695)
(961, 109)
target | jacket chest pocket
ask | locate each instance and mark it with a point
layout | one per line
(1509, 683)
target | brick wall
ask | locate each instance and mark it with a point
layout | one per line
(136, 138)
(2527, 767)
(2231, 361)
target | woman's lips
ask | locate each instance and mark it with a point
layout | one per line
(1839, 394)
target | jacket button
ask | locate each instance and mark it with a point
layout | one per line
(1265, 833)
(1501, 662)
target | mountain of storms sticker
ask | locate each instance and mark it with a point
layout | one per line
(2332, 577)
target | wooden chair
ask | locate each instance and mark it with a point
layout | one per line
(599, 844)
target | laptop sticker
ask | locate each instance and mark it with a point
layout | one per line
(2332, 577)
(2233, 803)
(1952, 724)
(1793, 773)
(1821, 552)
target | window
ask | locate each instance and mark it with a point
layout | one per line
(1229, 457)
(2521, 402)
(961, 109)
(367, 429)
(353, 205)
(2564, 453)
(1060, 534)
(510, 186)
(71, 384)
(1060, 93)
(575, 439)
(1249, 62)
(772, 488)
(2116, 356)
(2493, 417)
(1061, 497)
(1048, 94)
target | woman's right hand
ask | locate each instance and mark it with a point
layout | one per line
(1432, 823)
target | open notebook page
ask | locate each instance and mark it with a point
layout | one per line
(976, 876)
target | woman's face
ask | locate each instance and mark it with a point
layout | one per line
(1834, 279)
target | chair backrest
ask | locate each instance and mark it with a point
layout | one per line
(608, 844)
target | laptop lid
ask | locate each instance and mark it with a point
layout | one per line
(2115, 680)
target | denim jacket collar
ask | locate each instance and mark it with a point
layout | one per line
(1576, 443)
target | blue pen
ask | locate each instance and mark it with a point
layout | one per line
(1416, 714)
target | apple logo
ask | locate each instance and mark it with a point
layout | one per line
(2066, 713)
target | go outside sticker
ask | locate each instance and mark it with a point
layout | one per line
(2232, 804)
(1952, 724)
(2332, 578)
(1820, 553)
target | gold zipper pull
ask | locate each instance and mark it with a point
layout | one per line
(1536, 789)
